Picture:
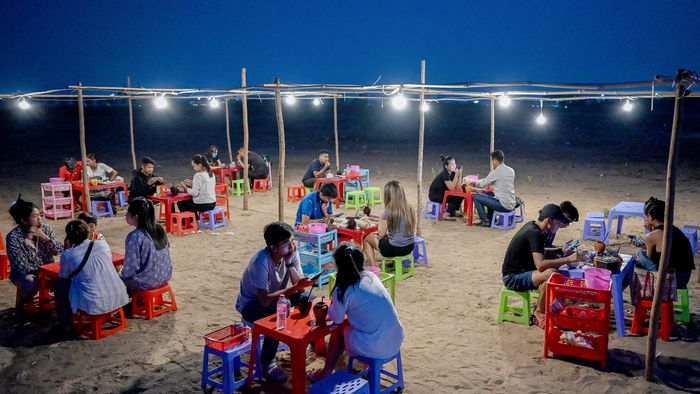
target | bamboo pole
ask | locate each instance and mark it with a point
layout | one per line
(131, 126)
(228, 133)
(492, 144)
(659, 289)
(421, 138)
(280, 136)
(83, 150)
(244, 101)
(335, 131)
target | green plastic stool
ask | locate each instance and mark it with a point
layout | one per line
(309, 189)
(399, 270)
(355, 199)
(386, 278)
(374, 195)
(237, 187)
(682, 308)
(513, 313)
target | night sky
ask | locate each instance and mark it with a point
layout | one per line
(51, 44)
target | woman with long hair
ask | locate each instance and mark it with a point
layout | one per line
(450, 178)
(374, 329)
(147, 263)
(397, 226)
(202, 188)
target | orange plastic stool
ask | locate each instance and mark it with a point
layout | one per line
(183, 223)
(32, 306)
(4, 265)
(99, 326)
(295, 193)
(150, 303)
(261, 185)
(642, 312)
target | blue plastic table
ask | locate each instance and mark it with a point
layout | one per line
(619, 211)
(627, 270)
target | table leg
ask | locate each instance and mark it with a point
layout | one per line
(340, 193)
(618, 303)
(298, 351)
(442, 207)
(620, 219)
(470, 209)
(254, 340)
(168, 214)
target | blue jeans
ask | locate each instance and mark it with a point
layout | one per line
(643, 261)
(484, 200)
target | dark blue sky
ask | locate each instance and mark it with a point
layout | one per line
(48, 44)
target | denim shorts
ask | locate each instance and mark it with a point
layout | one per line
(519, 282)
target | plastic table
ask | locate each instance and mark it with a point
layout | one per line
(169, 200)
(626, 270)
(619, 211)
(78, 186)
(298, 335)
(339, 183)
(224, 173)
(467, 208)
(357, 235)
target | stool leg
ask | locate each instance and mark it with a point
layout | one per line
(205, 369)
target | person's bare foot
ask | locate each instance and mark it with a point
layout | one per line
(539, 319)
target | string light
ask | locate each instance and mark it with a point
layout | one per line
(399, 101)
(23, 104)
(541, 119)
(214, 103)
(504, 100)
(317, 102)
(290, 99)
(627, 106)
(160, 101)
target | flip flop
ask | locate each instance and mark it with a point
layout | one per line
(313, 376)
(538, 323)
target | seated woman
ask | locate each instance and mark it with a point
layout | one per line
(201, 188)
(89, 281)
(29, 245)
(147, 263)
(212, 156)
(450, 178)
(396, 228)
(374, 329)
(681, 259)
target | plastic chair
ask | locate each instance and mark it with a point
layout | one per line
(261, 185)
(295, 193)
(355, 199)
(374, 372)
(432, 210)
(516, 314)
(230, 364)
(213, 219)
(401, 272)
(102, 208)
(237, 186)
(32, 306)
(519, 217)
(221, 190)
(99, 326)
(120, 199)
(594, 226)
(503, 220)
(420, 252)
(183, 223)
(340, 382)
(374, 195)
(640, 323)
(151, 303)
(682, 308)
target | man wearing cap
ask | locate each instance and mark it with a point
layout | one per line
(524, 266)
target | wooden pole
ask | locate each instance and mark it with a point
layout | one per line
(335, 131)
(421, 138)
(228, 133)
(131, 126)
(245, 139)
(280, 136)
(493, 130)
(659, 289)
(83, 150)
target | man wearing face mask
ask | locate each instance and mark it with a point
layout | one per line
(524, 266)
(264, 280)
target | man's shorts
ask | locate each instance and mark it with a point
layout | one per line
(519, 282)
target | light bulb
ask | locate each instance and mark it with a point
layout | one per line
(214, 103)
(504, 101)
(291, 100)
(317, 102)
(476, 101)
(160, 102)
(399, 101)
(541, 119)
(425, 107)
(23, 104)
(627, 106)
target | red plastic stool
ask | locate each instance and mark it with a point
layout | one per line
(150, 303)
(99, 326)
(295, 193)
(642, 312)
(32, 306)
(183, 223)
(261, 185)
(4, 265)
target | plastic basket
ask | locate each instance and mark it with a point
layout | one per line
(56, 180)
(317, 228)
(227, 337)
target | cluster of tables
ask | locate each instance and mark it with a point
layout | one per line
(108, 185)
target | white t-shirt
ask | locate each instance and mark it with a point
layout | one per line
(203, 189)
(375, 330)
(102, 171)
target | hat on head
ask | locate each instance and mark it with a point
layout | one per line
(553, 211)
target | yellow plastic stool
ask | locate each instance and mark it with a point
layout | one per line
(374, 195)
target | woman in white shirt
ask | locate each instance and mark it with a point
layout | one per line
(374, 329)
(201, 188)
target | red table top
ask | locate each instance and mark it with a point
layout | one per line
(78, 185)
(182, 196)
(299, 328)
(357, 232)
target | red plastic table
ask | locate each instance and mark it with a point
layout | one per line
(224, 173)
(467, 208)
(339, 183)
(357, 235)
(298, 335)
(169, 200)
(78, 186)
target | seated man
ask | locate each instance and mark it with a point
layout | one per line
(317, 206)
(257, 166)
(71, 170)
(99, 171)
(571, 213)
(524, 266)
(317, 169)
(263, 282)
(503, 180)
(144, 183)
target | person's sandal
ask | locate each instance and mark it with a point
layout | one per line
(273, 373)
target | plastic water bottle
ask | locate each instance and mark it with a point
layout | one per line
(289, 306)
(282, 309)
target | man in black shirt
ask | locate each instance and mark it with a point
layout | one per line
(317, 169)
(144, 183)
(257, 166)
(524, 266)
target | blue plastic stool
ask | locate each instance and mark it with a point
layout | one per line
(231, 362)
(121, 199)
(340, 382)
(432, 210)
(420, 252)
(211, 220)
(519, 217)
(375, 373)
(692, 235)
(503, 220)
(364, 176)
(102, 208)
(594, 226)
